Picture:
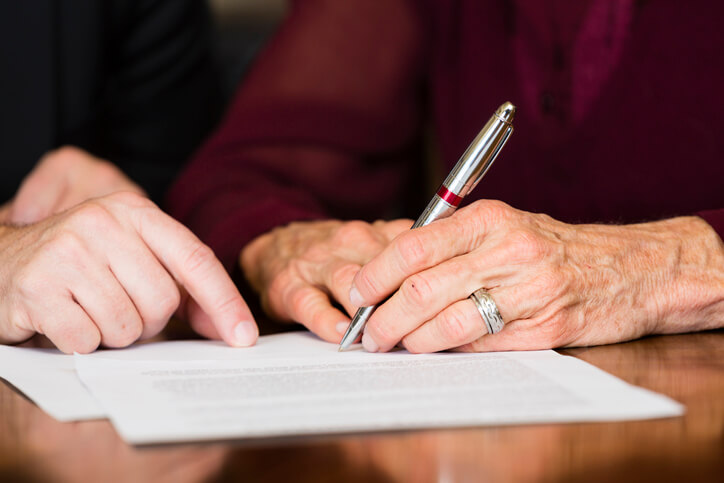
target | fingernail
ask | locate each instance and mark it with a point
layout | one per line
(355, 297)
(342, 327)
(245, 334)
(369, 344)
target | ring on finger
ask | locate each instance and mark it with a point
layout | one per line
(488, 310)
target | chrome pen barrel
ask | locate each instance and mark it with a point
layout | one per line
(436, 209)
(358, 322)
(477, 159)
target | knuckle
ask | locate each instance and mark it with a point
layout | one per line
(279, 283)
(411, 250)
(67, 245)
(301, 266)
(453, 325)
(198, 258)
(230, 304)
(412, 345)
(352, 232)
(29, 281)
(342, 276)
(318, 252)
(131, 199)
(526, 246)
(83, 343)
(91, 215)
(417, 290)
(299, 301)
(124, 335)
(367, 284)
(490, 209)
(498, 208)
(123, 325)
(165, 306)
(383, 332)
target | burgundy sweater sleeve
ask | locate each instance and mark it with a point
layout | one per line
(321, 127)
(716, 219)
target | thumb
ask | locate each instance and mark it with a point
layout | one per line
(37, 198)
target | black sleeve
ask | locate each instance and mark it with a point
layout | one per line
(162, 93)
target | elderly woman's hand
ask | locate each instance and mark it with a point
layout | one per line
(555, 284)
(301, 269)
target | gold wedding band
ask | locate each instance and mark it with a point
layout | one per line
(488, 310)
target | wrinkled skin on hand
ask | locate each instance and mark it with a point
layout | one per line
(302, 268)
(555, 284)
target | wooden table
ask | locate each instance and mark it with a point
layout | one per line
(689, 368)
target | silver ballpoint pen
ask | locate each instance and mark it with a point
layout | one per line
(469, 170)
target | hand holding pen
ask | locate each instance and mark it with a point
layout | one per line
(463, 178)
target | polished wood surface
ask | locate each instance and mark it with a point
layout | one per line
(688, 368)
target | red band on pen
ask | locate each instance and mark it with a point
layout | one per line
(448, 196)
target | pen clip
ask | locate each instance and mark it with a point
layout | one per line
(493, 156)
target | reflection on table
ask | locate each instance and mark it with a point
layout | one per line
(688, 368)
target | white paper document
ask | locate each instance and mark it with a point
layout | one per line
(294, 384)
(47, 376)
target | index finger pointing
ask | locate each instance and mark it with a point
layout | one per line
(195, 266)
